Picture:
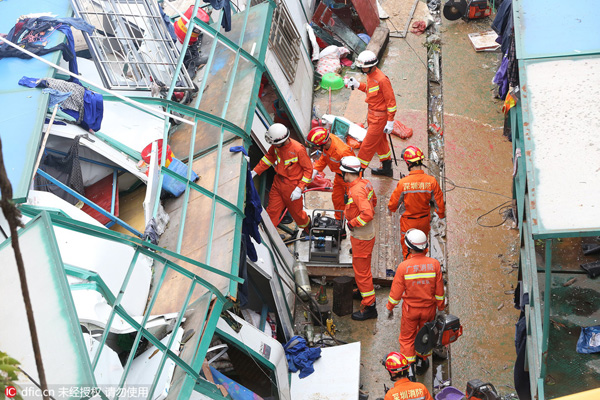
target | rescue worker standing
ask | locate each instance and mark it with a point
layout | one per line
(380, 119)
(418, 282)
(360, 209)
(413, 196)
(398, 367)
(333, 150)
(293, 167)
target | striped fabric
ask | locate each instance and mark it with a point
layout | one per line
(423, 275)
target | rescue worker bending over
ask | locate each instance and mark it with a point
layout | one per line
(293, 167)
(359, 212)
(413, 196)
(380, 119)
(418, 281)
(398, 367)
(333, 149)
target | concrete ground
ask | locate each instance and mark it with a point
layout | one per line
(478, 163)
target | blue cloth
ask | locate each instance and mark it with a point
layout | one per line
(75, 22)
(172, 185)
(71, 43)
(93, 110)
(226, 6)
(168, 24)
(29, 82)
(252, 210)
(501, 78)
(301, 357)
(56, 97)
(589, 340)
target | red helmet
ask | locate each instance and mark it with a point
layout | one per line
(412, 154)
(396, 362)
(318, 136)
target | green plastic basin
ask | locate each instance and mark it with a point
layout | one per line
(332, 80)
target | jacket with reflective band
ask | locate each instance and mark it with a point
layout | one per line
(418, 281)
(360, 208)
(290, 161)
(414, 193)
(404, 389)
(380, 95)
(333, 156)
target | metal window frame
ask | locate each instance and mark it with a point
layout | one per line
(285, 41)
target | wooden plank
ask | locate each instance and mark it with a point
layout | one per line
(356, 109)
(368, 14)
(209, 377)
(379, 40)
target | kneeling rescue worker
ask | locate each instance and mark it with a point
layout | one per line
(293, 168)
(333, 150)
(418, 281)
(360, 209)
(413, 196)
(382, 110)
(398, 367)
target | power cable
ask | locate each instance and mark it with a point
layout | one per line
(471, 188)
(502, 209)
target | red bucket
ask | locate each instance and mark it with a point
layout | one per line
(148, 149)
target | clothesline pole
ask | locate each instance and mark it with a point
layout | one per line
(125, 99)
(44, 140)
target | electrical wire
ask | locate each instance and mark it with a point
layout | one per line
(470, 188)
(502, 209)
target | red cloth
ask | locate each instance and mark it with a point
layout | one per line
(418, 27)
(401, 130)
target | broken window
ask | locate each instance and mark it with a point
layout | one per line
(131, 45)
(285, 41)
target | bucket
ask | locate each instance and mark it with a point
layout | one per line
(332, 80)
(148, 149)
(449, 393)
(180, 25)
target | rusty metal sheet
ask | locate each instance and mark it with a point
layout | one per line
(368, 14)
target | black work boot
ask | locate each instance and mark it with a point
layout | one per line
(385, 170)
(365, 313)
(356, 294)
(421, 365)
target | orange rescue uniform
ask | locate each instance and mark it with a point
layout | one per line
(418, 281)
(294, 169)
(332, 157)
(412, 197)
(382, 108)
(360, 210)
(404, 389)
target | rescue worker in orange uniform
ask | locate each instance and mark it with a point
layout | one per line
(398, 367)
(418, 282)
(413, 196)
(333, 150)
(293, 167)
(360, 210)
(380, 119)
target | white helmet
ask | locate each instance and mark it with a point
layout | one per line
(366, 59)
(415, 239)
(350, 164)
(277, 134)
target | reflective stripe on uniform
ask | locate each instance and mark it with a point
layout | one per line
(394, 302)
(374, 89)
(291, 160)
(266, 161)
(411, 359)
(392, 109)
(367, 294)
(440, 298)
(419, 276)
(350, 201)
(386, 155)
(371, 193)
(363, 161)
(305, 225)
(306, 180)
(360, 221)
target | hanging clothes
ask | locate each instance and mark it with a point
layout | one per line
(226, 6)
